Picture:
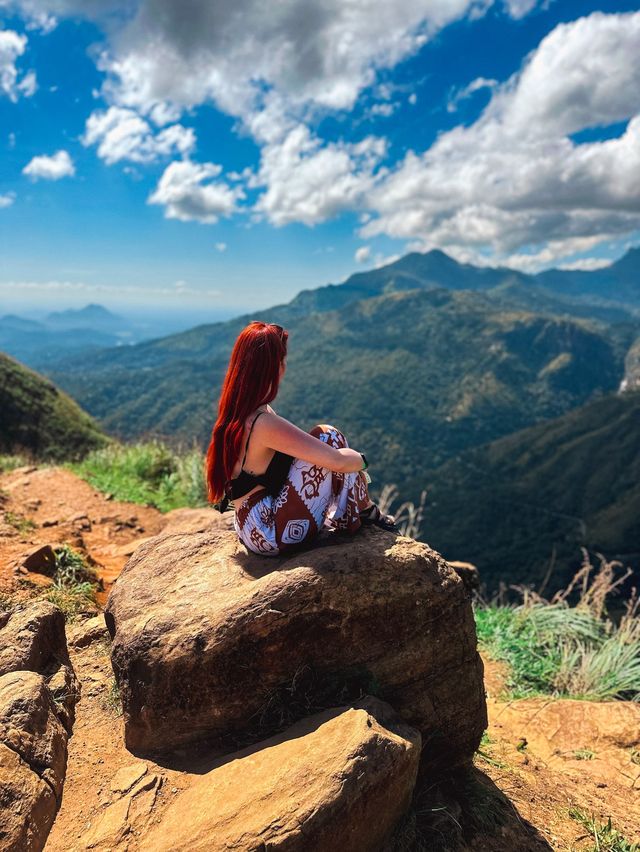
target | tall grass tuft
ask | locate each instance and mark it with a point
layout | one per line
(408, 516)
(74, 583)
(147, 472)
(576, 650)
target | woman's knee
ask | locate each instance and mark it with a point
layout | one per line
(329, 434)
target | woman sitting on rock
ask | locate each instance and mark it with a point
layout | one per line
(285, 484)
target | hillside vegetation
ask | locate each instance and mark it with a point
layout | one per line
(412, 376)
(38, 419)
(526, 503)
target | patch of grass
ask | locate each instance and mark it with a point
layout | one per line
(19, 522)
(11, 462)
(112, 701)
(583, 754)
(553, 648)
(148, 472)
(446, 815)
(6, 602)
(74, 583)
(606, 838)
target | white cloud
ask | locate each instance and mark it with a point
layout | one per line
(413, 99)
(323, 54)
(467, 91)
(42, 21)
(384, 109)
(512, 184)
(587, 264)
(121, 134)
(12, 46)
(384, 260)
(514, 178)
(7, 199)
(362, 254)
(308, 182)
(221, 247)
(187, 193)
(52, 167)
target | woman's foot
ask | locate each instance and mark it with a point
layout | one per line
(373, 516)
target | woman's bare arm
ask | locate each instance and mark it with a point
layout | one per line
(277, 433)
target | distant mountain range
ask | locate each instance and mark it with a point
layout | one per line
(38, 419)
(419, 362)
(37, 342)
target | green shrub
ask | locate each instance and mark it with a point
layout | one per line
(558, 649)
(74, 583)
(11, 462)
(147, 472)
(19, 522)
(606, 838)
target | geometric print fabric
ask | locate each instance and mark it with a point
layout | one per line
(311, 498)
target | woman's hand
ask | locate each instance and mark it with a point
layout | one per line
(276, 433)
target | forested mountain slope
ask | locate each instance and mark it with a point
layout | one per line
(536, 496)
(37, 418)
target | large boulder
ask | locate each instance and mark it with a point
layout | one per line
(212, 643)
(38, 692)
(340, 779)
(33, 755)
(32, 638)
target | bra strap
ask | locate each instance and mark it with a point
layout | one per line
(246, 447)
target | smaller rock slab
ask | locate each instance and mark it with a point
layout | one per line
(341, 779)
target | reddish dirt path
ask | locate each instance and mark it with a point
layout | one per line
(60, 507)
(551, 755)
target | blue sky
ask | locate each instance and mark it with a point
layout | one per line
(218, 157)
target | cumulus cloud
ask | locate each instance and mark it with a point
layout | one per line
(513, 184)
(309, 182)
(290, 61)
(221, 247)
(7, 199)
(515, 177)
(362, 254)
(121, 134)
(319, 53)
(188, 192)
(12, 85)
(52, 167)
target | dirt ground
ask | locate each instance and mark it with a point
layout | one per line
(546, 756)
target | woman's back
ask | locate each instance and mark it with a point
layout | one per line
(259, 465)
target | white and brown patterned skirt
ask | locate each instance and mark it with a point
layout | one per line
(311, 498)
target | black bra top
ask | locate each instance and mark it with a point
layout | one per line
(272, 479)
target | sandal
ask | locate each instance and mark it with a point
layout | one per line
(374, 517)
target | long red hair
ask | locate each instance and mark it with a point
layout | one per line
(252, 380)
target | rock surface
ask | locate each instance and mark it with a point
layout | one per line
(197, 520)
(338, 780)
(33, 639)
(38, 692)
(27, 805)
(213, 643)
(30, 726)
(87, 631)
